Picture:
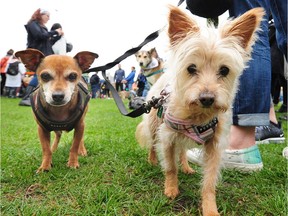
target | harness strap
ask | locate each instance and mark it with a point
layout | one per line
(52, 125)
(199, 134)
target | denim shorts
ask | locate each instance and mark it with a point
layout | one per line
(252, 102)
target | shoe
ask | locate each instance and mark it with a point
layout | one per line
(25, 102)
(243, 160)
(282, 109)
(285, 152)
(272, 133)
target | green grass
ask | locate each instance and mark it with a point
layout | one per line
(115, 178)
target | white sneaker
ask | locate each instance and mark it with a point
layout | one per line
(245, 160)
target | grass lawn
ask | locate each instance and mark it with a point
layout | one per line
(115, 178)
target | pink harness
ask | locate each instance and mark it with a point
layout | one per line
(199, 134)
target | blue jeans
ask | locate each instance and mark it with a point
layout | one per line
(94, 89)
(252, 102)
(34, 81)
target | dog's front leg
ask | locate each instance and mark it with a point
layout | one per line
(171, 170)
(44, 137)
(212, 158)
(78, 135)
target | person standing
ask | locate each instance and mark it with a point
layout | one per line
(129, 80)
(14, 82)
(95, 84)
(38, 37)
(118, 77)
(3, 67)
(59, 42)
(251, 107)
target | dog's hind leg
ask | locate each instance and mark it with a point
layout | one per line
(212, 158)
(184, 163)
(170, 170)
(57, 138)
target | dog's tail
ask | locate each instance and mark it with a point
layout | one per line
(142, 135)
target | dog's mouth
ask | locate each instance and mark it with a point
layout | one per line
(57, 104)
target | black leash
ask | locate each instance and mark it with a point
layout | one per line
(146, 107)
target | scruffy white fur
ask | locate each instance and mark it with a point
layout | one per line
(202, 72)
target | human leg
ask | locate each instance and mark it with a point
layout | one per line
(252, 101)
(29, 89)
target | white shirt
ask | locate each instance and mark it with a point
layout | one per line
(15, 81)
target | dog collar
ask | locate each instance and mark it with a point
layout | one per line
(199, 134)
(154, 73)
(52, 125)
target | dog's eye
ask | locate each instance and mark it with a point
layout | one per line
(72, 77)
(46, 77)
(192, 69)
(223, 71)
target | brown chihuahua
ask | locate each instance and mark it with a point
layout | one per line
(60, 101)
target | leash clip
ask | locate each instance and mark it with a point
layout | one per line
(154, 102)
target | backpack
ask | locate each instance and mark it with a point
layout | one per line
(13, 68)
(94, 79)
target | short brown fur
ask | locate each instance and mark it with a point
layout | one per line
(59, 75)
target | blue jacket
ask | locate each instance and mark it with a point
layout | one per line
(130, 77)
(119, 75)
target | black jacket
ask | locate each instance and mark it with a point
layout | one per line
(39, 37)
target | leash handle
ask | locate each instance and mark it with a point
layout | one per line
(128, 53)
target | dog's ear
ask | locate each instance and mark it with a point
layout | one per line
(180, 24)
(31, 58)
(244, 27)
(153, 53)
(85, 59)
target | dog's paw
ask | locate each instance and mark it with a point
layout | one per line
(188, 170)
(43, 169)
(73, 164)
(82, 152)
(171, 192)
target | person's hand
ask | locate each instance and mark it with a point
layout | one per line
(59, 30)
(124, 81)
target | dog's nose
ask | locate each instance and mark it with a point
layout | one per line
(58, 96)
(207, 99)
(141, 64)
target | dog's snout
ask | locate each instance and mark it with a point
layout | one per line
(58, 96)
(207, 99)
(140, 63)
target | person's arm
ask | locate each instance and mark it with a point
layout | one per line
(38, 32)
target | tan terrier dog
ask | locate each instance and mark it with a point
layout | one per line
(196, 93)
(61, 100)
